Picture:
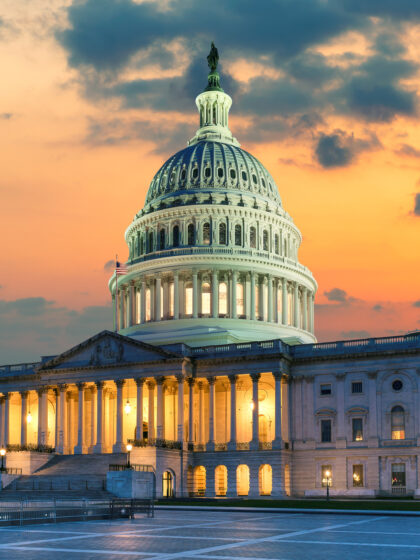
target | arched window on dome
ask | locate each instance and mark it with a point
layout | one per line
(162, 239)
(238, 235)
(397, 423)
(222, 234)
(175, 236)
(265, 240)
(191, 234)
(253, 237)
(223, 299)
(148, 310)
(205, 298)
(276, 244)
(240, 307)
(206, 233)
(150, 247)
(188, 299)
(171, 300)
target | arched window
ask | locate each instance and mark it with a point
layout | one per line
(220, 479)
(167, 484)
(199, 481)
(206, 233)
(175, 236)
(171, 300)
(276, 244)
(148, 311)
(265, 240)
(223, 302)
(242, 480)
(265, 479)
(240, 307)
(222, 234)
(238, 235)
(205, 298)
(188, 299)
(397, 423)
(162, 239)
(253, 238)
(150, 247)
(191, 234)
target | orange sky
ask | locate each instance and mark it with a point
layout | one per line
(65, 202)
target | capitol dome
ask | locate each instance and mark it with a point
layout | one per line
(213, 256)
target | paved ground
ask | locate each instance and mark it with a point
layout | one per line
(219, 536)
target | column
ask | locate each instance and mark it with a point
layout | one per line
(232, 441)
(94, 418)
(158, 305)
(296, 305)
(165, 303)
(180, 379)
(121, 298)
(114, 313)
(151, 419)
(201, 436)
(100, 444)
(2, 421)
(176, 295)
(119, 446)
(139, 419)
(195, 294)
(255, 442)
(62, 419)
(252, 296)
(80, 446)
(215, 294)
(160, 408)
(131, 304)
(284, 302)
(231, 482)
(311, 311)
(6, 436)
(191, 382)
(70, 410)
(23, 419)
(57, 416)
(143, 301)
(277, 442)
(305, 309)
(42, 415)
(212, 406)
(341, 437)
(270, 298)
(373, 440)
(234, 281)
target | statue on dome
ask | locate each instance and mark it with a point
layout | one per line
(213, 58)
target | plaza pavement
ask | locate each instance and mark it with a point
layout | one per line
(219, 536)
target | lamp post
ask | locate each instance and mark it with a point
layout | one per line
(129, 447)
(2, 453)
(328, 478)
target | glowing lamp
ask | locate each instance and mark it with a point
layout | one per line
(129, 447)
(29, 418)
(127, 407)
(2, 452)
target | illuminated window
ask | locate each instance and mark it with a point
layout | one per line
(357, 427)
(161, 301)
(175, 236)
(188, 299)
(326, 475)
(223, 301)
(253, 238)
(191, 234)
(325, 431)
(206, 233)
(397, 423)
(148, 305)
(221, 480)
(265, 480)
(398, 474)
(240, 308)
(222, 234)
(257, 301)
(276, 244)
(205, 298)
(238, 235)
(358, 475)
(265, 240)
(242, 480)
(171, 299)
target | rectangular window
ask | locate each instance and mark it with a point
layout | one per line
(357, 387)
(326, 475)
(325, 389)
(171, 299)
(398, 474)
(188, 300)
(325, 430)
(358, 475)
(357, 425)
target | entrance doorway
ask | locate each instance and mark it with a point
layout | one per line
(167, 485)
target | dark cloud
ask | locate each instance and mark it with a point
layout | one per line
(109, 265)
(378, 307)
(355, 334)
(416, 303)
(407, 150)
(416, 210)
(6, 116)
(401, 10)
(340, 149)
(336, 294)
(26, 306)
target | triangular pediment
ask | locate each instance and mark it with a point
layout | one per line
(107, 349)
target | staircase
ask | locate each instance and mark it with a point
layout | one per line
(66, 476)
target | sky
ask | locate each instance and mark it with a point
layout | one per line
(96, 95)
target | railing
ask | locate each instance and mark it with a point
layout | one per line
(220, 446)
(265, 445)
(11, 470)
(30, 447)
(55, 511)
(398, 490)
(156, 442)
(132, 467)
(242, 446)
(11, 369)
(199, 447)
(243, 348)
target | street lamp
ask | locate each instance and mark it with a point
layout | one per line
(129, 447)
(2, 453)
(328, 478)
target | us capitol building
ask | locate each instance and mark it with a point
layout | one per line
(213, 371)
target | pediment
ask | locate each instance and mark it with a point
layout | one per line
(106, 349)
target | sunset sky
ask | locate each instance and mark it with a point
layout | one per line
(96, 95)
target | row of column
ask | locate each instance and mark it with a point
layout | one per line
(167, 299)
(98, 425)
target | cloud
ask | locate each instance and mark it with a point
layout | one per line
(407, 150)
(26, 306)
(339, 149)
(109, 265)
(6, 116)
(416, 303)
(416, 210)
(355, 334)
(378, 307)
(336, 294)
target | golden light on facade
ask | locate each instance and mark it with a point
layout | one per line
(29, 418)
(127, 407)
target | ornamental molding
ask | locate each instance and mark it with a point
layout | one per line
(108, 352)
